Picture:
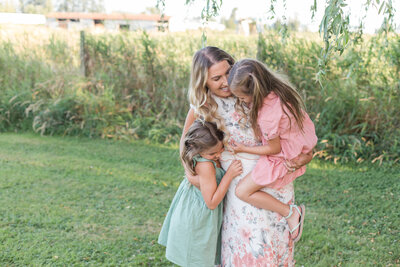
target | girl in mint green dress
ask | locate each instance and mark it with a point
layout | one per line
(191, 229)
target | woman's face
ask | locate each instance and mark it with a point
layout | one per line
(217, 80)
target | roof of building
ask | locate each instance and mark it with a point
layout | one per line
(103, 16)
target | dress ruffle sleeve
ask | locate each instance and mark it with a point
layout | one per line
(270, 118)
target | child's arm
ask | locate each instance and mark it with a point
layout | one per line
(213, 194)
(273, 147)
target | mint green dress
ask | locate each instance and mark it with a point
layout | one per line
(191, 231)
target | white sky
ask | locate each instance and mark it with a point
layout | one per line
(258, 9)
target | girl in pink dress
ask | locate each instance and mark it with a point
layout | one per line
(276, 113)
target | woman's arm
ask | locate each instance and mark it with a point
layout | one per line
(212, 193)
(299, 161)
(273, 147)
(190, 118)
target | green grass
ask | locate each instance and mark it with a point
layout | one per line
(76, 201)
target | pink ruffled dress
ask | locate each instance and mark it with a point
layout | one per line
(273, 122)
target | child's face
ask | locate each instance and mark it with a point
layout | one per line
(247, 99)
(213, 153)
(217, 80)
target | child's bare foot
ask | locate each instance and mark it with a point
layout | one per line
(295, 221)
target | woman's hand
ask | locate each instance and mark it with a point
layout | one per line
(235, 168)
(298, 161)
(193, 179)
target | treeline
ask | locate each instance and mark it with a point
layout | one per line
(46, 6)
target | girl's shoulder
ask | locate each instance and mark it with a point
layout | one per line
(205, 166)
(271, 106)
(271, 98)
(198, 159)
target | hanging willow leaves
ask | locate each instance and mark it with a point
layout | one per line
(336, 32)
(334, 27)
(210, 10)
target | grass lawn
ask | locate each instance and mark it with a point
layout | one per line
(76, 201)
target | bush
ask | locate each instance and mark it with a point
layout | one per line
(136, 86)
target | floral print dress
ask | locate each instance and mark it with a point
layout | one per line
(251, 236)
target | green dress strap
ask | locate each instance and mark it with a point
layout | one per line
(219, 172)
(198, 158)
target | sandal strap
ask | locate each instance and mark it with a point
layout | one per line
(297, 226)
(290, 211)
(294, 228)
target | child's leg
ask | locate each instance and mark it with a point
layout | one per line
(248, 191)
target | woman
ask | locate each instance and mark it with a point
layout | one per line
(250, 236)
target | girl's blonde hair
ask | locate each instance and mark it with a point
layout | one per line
(199, 95)
(200, 137)
(253, 78)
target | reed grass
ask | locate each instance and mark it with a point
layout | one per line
(136, 86)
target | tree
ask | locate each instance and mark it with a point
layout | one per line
(80, 6)
(36, 6)
(8, 7)
(334, 27)
(292, 25)
(231, 22)
(152, 11)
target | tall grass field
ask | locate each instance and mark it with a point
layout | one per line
(76, 201)
(136, 84)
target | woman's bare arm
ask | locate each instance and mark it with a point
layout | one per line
(299, 161)
(190, 118)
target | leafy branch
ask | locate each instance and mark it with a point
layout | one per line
(210, 10)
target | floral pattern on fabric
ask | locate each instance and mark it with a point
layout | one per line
(251, 237)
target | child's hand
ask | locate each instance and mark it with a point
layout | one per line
(235, 168)
(237, 147)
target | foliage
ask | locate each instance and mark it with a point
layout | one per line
(8, 6)
(36, 6)
(137, 83)
(78, 201)
(80, 5)
(358, 101)
(231, 22)
(334, 26)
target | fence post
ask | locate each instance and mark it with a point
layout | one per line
(82, 50)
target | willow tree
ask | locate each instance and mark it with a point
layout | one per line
(334, 27)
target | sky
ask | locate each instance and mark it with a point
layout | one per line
(299, 9)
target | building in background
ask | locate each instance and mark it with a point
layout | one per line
(115, 21)
(22, 19)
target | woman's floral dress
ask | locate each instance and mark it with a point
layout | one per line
(250, 236)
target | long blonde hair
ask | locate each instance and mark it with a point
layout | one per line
(253, 78)
(199, 95)
(200, 137)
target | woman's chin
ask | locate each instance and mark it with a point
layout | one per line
(224, 94)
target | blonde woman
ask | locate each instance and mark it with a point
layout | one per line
(250, 236)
